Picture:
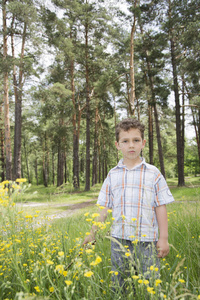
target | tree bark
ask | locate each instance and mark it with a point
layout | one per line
(45, 161)
(6, 99)
(181, 178)
(87, 180)
(26, 159)
(2, 160)
(132, 72)
(94, 169)
(18, 106)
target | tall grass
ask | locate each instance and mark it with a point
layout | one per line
(48, 261)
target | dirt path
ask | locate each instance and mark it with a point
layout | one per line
(70, 208)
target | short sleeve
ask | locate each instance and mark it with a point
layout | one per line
(163, 194)
(104, 198)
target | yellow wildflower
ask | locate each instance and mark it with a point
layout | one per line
(181, 280)
(88, 274)
(135, 276)
(51, 289)
(95, 215)
(68, 282)
(158, 281)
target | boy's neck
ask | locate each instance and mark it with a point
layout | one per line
(132, 163)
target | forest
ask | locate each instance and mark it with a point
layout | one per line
(71, 69)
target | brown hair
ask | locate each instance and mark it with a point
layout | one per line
(127, 124)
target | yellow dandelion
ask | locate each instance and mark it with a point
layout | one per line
(49, 262)
(88, 274)
(60, 268)
(109, 210)
(61, 253)
(152, 268)
(68, 282)
(146, 282)
(135, 276)
(101, 207)
(133, 219)
(156, 269)
(101, 280)
(51, 289)
(64, 273)
(181, 280)
(98, 259)
(127, 254)
(123, 217)
(86, 214)
(158, 281)
(116, 273)
(132, 236)
(37, 289)
(95, 215)
(140, 281)
(150, 290)
(88, 251)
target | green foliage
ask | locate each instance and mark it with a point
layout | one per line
(43, 260)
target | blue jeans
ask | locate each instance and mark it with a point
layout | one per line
(142, 256)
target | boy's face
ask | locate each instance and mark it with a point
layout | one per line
(130, 143)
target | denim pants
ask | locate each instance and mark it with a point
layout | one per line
(142, 256)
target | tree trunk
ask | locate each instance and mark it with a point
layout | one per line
(181, 179)
(36, 169)
(153, 100)
(2, 161)
(26, 159)
(160, 151)
(94, 169)
(53, 168)
(61, 163)
(150, 121)
(6, 99)
(87, 181)
(18, 106)
(132, 72)
(45, 161)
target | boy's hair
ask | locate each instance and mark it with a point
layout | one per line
(127, 124)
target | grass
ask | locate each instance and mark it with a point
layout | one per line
(33, 260)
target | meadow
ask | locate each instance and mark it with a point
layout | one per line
(46, 260)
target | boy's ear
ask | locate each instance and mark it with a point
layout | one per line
(143, 143)
(117, 145)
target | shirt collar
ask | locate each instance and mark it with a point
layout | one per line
(121, 163)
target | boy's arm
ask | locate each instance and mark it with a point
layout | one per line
(102, 217)
(162, 219)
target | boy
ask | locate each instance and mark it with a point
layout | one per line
(137, 193)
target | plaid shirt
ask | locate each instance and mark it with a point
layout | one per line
(133, 195)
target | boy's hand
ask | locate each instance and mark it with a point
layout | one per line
(162, 247)
(89, 239)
